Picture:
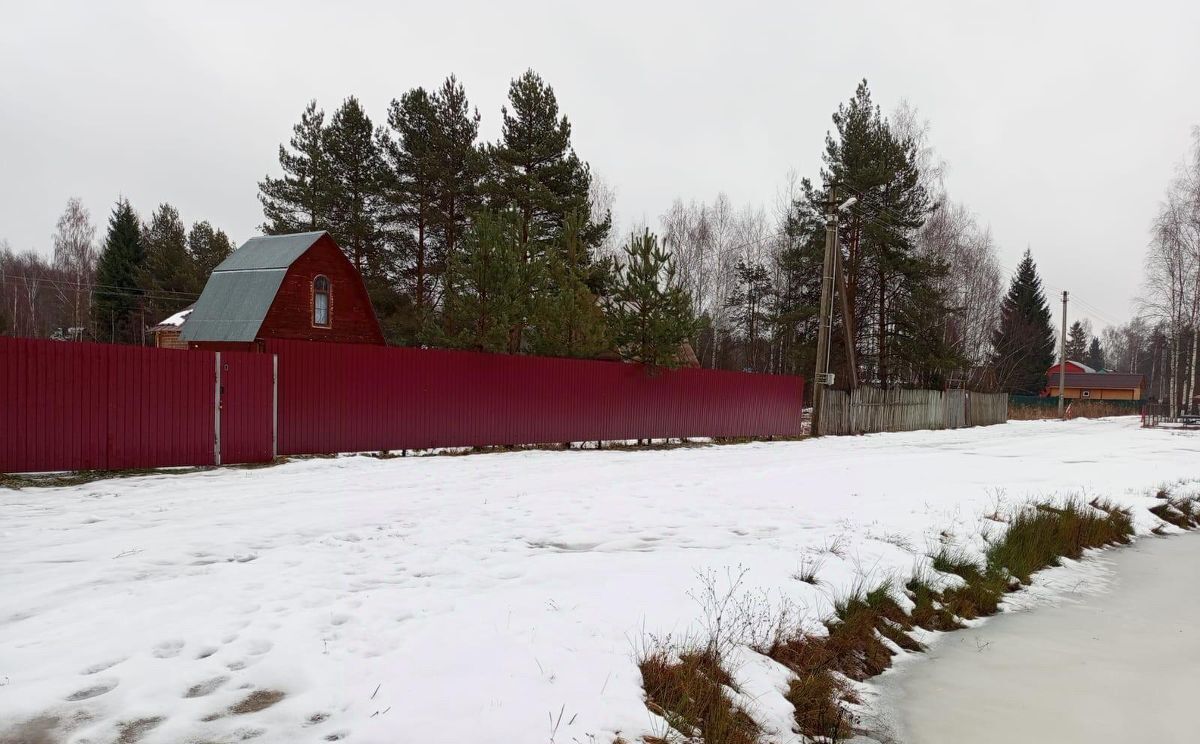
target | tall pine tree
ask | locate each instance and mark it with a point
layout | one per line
(1023, 344)
(116, 307)
(534, 170)
(168, 276)
(458, 163)
(409, 196)
(300, 200)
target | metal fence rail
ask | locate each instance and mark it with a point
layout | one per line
(869, 410)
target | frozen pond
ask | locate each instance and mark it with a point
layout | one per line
(1120, 665)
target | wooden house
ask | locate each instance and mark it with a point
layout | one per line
(299, 287)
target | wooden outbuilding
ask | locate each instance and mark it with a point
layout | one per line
(299, 287)
(167, 334)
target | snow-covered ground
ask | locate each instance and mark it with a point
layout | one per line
(496, 597)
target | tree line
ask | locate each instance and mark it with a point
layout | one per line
(508, 246)
(112, 292)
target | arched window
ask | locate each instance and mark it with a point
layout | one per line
(320, 303)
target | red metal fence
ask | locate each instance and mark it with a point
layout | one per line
(343, 398)
(76, 406)
(83, 406)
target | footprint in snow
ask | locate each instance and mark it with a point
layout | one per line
(168, 649)
(95, 690)
(101, 666)
(207, 687)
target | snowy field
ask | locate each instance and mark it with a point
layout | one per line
(496, 597)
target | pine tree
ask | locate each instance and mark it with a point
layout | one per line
(1077, 342)
(117, 301)
(866, 158)
(207, 247)
(649, 314)
(534, 170)
(566, 318)
(167, 277)
(355, 171)
(299, 201)
(409, 196)
(1023, 344)
(458, 163)
(485, 285)
(1095, 355)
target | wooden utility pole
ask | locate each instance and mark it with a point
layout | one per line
(1062, 360)
(824, 319)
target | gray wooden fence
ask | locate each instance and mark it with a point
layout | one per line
(867, 410)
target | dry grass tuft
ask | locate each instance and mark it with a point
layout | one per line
(689, 693)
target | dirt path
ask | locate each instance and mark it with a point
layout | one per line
(1119, 666)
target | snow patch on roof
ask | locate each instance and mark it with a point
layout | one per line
(177, 319)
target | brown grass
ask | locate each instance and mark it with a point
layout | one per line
(689, 694)
(869, 625)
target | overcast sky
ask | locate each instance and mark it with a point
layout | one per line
(1061, 125)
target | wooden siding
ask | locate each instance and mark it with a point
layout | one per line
(870, 410)
(1097, 393)
(168, 338)
(352, 318)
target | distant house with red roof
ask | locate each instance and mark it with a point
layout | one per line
(1083, 382)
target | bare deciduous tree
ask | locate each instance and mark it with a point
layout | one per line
(75, 264)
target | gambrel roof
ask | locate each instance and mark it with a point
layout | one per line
(240, 291)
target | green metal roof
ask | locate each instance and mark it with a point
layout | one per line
(269, 252)
(240, 291)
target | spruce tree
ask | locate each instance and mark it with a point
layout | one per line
(167, 277)
(566, 317)
(1077, 342)
(207, 247)
(649, 313)
(1023, 343)
(117, 302)
(1095, 355)
(485, 285)
(299, 201)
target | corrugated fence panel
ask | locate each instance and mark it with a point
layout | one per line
(83, 406)
(246, 390)
(347, 398)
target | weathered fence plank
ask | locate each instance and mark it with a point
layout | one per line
(870, 410)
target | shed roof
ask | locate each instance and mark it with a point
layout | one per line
(240, 291)
(175, 320)
(1100, 381)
